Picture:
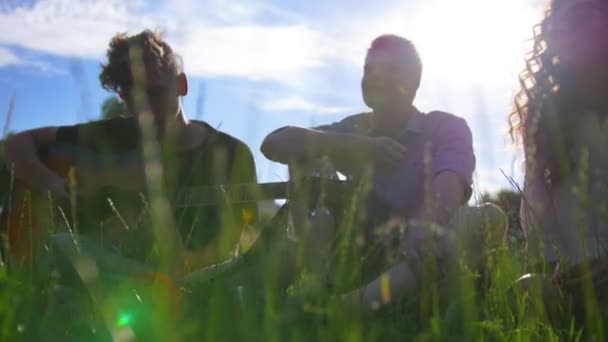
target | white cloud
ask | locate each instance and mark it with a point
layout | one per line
(255, 52)
(7, 57)
(472, 40)
(295, 103)
(210, 44)
(69, 28)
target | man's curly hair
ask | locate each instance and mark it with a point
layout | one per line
(156, 55)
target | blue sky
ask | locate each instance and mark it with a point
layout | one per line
(255, 66)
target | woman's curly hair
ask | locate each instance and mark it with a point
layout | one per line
(156, 55)
(546, 106)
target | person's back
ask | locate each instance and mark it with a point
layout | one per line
(576, 225)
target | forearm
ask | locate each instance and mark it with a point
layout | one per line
(301, 144)
(442, 198)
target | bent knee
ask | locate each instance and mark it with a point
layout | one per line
(485, 223)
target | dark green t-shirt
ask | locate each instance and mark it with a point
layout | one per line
(220, 159)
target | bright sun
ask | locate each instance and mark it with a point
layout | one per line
(473, 41)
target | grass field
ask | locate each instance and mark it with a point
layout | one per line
(464, 304)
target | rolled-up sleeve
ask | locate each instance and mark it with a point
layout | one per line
(453, 150)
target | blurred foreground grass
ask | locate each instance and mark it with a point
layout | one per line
(464, 305)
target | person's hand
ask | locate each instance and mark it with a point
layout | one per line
(386, 151)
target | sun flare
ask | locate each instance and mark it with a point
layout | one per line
(473, 41)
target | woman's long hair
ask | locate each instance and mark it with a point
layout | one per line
(546, 106)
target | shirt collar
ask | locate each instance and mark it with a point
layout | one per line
(414, 124)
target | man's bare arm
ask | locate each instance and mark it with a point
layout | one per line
(304, 144)
(298, 143)
(21, 153)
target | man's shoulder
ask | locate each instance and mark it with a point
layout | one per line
(357, 123)
(119, 132)
(359, 117)
(227, 141)
(441, 117)
(441, 121)
(234, 143)
(235, 156)
(119, 122)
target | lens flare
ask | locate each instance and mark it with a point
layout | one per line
(124, 319)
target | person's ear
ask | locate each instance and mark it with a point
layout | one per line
(182, 85)
(122, 96)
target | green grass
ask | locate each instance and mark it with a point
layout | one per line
(466, 304)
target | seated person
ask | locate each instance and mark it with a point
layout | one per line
(156, 150)
(419, 166)
(560, 117)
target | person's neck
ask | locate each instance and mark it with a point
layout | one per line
(188, 135)
(181, 123)
(392, 122)
(174, 129)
